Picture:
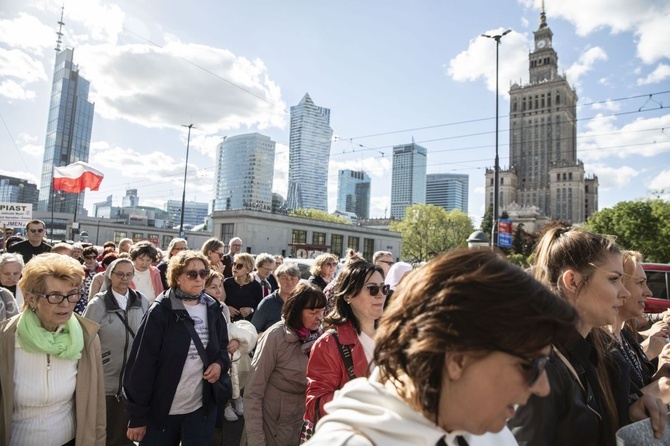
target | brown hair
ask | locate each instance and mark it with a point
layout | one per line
(143, 247)
(34, 275)
(319, 261)
(177, 265)
(464, 300)
(303, 297)
(212, 245)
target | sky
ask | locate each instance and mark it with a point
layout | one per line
(390, 71)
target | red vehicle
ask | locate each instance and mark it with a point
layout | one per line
(658, 280)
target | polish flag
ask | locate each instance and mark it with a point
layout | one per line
(76, 177)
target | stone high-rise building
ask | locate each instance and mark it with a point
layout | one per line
(544, 169)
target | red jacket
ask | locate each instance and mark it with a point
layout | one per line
(325, 370)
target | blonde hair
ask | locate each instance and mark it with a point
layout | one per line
(248, 261)
(60, 267)
(319, 261)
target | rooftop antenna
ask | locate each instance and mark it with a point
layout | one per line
(60, 29)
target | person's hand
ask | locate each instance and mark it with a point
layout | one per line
(233, 345)
(650, 407)
(665, 316)
(212, 373)
(653, 345)
(136, 433)
(658, 326)
(233, 311)
(664, 357)
(246, 311)
(218, 267)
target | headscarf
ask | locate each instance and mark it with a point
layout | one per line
(110, 269)
(396, 273)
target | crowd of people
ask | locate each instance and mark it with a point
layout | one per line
(129, 344)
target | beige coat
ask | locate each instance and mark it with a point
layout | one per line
(89, 391)
(274, 397)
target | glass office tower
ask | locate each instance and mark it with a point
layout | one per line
(408, 178)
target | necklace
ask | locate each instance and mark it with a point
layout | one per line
(630, 357)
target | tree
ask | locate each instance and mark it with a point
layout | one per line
(641, 225)
(486, 225)
(428, 230)
(314, 214)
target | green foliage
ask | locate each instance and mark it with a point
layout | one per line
(518, 259)
(428, 230)
(314, 214)
(486, 225)
(641, 225)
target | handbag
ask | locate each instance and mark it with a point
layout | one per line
(223, 387)
(308, 427)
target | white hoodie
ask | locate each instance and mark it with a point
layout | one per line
(366, 413)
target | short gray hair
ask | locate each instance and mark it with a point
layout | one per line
(11, 257)
(262, 259)
(290, 269)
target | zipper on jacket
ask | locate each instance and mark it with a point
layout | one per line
(119, 391)
(46, 388)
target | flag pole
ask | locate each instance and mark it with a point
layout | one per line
(76, 205)
(53, 198)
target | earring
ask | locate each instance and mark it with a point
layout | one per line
(348, 302)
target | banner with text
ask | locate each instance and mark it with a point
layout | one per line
(15, 215)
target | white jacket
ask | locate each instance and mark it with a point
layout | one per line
(366, 413)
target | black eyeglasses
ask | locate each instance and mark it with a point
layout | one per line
(193, 274)
(35, 231)
(239, 265)
(375, 289)
(533, 367)
(388, 262)
(123, 275)
(91, 257)
(56, 298)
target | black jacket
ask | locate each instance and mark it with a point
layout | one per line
(158, 356)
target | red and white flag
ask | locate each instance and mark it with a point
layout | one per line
(76, 177)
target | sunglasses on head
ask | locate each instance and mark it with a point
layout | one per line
(239, 265)
(35, 231)
(375, 289)
(532, 367)
(193, 274)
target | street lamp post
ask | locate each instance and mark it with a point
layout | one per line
(183, 195)
(496, 173)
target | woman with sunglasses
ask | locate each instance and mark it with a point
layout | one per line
(275, 393)
(118, 310)
(243, 292)
(52, 388)
(589, 397)
(359, 297)
(465, 340)
(215, 251)
(323, 270)
(169, 379)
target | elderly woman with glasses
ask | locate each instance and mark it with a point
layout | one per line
(52, 385)
(359, 297)
(119, 311)
(243, 292)
(323, 270)
(178, 355)
(11, 265)
(465, 341)
(275, 393)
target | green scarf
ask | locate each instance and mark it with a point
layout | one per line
(67, 344)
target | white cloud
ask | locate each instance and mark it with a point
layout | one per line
(649, 20)
(479, 61)
(17, 64)
(280, 180)
(611, 177)
(584, 64)
(181, 83)
(27, 32)
(13, 91)
(643, 137)
(661, 182)
(661, 73)
(21, 175)
(607, 105)
(30, 144)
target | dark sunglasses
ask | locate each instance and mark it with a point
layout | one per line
(35, 231)
(375, 289)
(239, 265)
(193, 274)
(331, 264)
(388, 262)
(533, 367)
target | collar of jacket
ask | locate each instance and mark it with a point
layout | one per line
(169, 301)
(111, 304)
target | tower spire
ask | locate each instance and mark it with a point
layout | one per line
(60, 29)
(543, 17)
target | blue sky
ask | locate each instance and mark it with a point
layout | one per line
(390, 72)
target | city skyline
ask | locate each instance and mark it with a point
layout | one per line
(154, 68)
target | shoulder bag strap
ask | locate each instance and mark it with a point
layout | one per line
(345, 353)
(196, 340)
(569, 366)
(125, 322)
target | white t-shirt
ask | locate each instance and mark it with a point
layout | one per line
(368, 346)
(188, 397)
(142, 281)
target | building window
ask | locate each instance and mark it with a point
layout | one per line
(154, 238)
(319, 238)
(137, 236)
(299, 236)
(118, 235)
(336, 241)
(353, 243)
(227, 231)
(166, 241)
(368, 247)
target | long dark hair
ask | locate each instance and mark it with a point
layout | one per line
(303, 297)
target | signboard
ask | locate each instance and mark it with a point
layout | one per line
(505, 231)
(15, 215)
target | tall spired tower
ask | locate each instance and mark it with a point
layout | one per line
(69, 126)
(544, 171)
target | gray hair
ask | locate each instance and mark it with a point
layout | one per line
(262, 259)
(379, 254)
(11, 257)
(110, 270)
(290, 269)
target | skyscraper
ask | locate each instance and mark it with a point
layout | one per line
(194, 212)
(448, 190)
(244, 169)
(544, 171)
(309, 153)
(408, 178)
(353, 192)
(18, 190)
(69, 126)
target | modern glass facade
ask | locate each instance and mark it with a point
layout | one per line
(69, 126)
(194, 212)
(17, 190)
(408, 178)
(244, 170)
(353, 192)
(447, 190)
(309, 154)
